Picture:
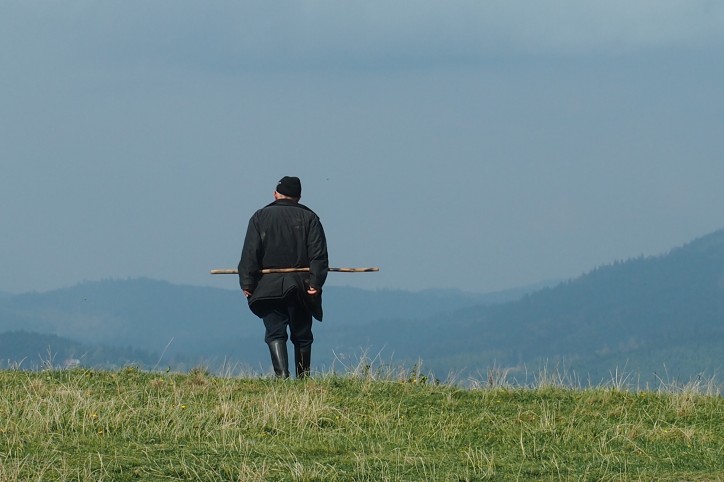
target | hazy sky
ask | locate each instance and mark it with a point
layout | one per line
(478, 145)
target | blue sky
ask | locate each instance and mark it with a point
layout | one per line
(471, 145)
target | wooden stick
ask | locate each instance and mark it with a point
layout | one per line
(297, 270)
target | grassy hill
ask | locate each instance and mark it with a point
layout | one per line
(367, 425)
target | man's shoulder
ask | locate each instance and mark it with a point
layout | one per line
(282, 204)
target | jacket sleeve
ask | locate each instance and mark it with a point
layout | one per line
(317, 254)
(250, 263)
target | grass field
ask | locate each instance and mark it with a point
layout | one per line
(128, 425)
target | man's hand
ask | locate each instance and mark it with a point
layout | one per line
(312, 291)
(247, 293)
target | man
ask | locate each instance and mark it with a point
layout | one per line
(285, 234)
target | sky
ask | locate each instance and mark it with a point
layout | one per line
(472, 145)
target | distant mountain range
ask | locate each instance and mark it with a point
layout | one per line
(182, 326)
(21, 349)
(659, 317)
(653, 318)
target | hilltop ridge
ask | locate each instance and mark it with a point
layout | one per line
(656, 316)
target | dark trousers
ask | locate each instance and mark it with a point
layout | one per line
(288, 312)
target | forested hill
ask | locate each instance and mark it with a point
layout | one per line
(181, 326)
(653, 317)
(660, 316)
(20, 349)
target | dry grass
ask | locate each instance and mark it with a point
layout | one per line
(368, 424)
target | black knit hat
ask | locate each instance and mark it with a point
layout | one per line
(290, 186)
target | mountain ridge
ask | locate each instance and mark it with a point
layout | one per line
(616, 312)
(632, 313)
(186, 322)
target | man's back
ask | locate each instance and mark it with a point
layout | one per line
(284, 234)
(286, 230)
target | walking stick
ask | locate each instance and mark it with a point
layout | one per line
(297, 270)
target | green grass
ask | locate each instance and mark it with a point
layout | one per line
(131, 425)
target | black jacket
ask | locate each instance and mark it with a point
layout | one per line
(284, 234)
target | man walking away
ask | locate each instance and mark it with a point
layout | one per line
(285, 234)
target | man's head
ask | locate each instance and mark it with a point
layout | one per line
(289, 187)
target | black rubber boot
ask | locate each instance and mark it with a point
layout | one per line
(279, 357)
(302, 360)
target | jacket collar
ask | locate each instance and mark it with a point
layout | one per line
(287, 202)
